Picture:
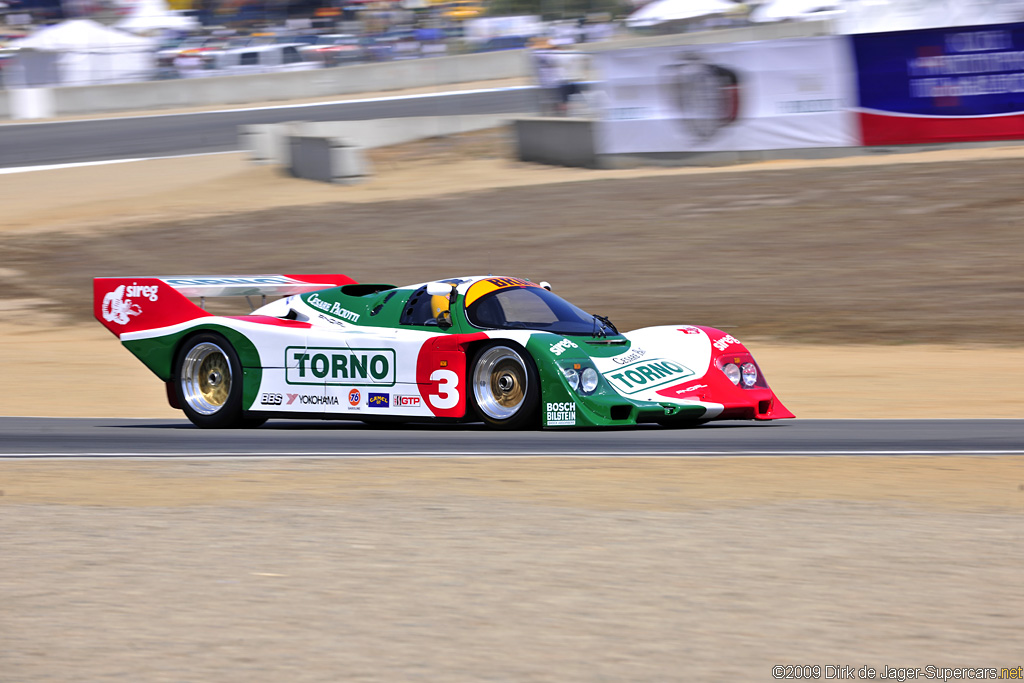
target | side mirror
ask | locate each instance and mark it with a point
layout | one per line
(441, 289)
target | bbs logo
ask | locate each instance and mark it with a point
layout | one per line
(271, 399)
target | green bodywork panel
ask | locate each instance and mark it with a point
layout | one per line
(157, 354)
(604, 406)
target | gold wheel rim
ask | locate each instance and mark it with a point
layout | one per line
(206, 378)
(508, 382)
(500, 383)
(215, 379)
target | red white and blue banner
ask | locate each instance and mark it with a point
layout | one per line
(941, 85)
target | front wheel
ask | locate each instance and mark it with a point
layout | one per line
(208, 383)
(506, 386)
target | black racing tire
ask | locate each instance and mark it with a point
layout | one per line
(208, 383)
(504, 386)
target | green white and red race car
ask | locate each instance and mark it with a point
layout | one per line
(502, 350)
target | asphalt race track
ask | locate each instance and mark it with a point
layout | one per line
(143, 136)
(22, 437)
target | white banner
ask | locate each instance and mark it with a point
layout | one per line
(781, 94)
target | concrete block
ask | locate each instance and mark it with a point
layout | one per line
(557, 141)
(31, 103)
(327, 160)
(267, 143)
(270, 143)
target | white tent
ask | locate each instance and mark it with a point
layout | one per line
(155, 15)
(665, 11)
(869, 16)
(81, 52)
(796, 10)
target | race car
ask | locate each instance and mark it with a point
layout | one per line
(502, 350)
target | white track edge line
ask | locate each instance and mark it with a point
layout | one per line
(106, 162)
(489, 454)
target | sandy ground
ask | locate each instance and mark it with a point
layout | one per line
(507, 570)
(520, 569)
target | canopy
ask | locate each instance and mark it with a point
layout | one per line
(155, 15)
(80, 52)
(81, 35)
(662, 11)
(796, 10)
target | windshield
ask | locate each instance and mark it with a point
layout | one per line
(532, 308)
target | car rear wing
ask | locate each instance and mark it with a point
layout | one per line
(130, 304)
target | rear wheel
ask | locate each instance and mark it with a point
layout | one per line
(208, 383)
(506, 387)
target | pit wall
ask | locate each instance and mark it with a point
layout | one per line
(296, 85)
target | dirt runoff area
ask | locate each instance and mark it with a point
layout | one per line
(509, 569)
(870, 287)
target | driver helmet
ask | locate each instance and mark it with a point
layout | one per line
(439, 306)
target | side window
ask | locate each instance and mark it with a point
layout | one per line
(417, 309)
(249, 58)
(291, 55)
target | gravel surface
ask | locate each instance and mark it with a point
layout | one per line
(519, 570)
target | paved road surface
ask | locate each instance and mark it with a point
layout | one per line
(32, 437)
(62, 142)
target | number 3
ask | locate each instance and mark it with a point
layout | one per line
(447, 389)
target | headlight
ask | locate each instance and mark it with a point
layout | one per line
(749, 374)
(589, 382)
(732, 372)
(573, 377)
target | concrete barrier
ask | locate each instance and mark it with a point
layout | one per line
(557, 141)
(269, 143)
(329, 160)
(571, 142)
(295, 85)
(31, 103)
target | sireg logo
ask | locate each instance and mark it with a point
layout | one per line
(725, 342)
(561, 347)
(118, 306)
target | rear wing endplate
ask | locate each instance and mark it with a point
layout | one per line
(130, 304)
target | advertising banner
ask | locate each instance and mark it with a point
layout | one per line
(781, 94)
(941, 85)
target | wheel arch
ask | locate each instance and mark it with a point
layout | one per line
(248, 356)
(532, 415)
(159, 354)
